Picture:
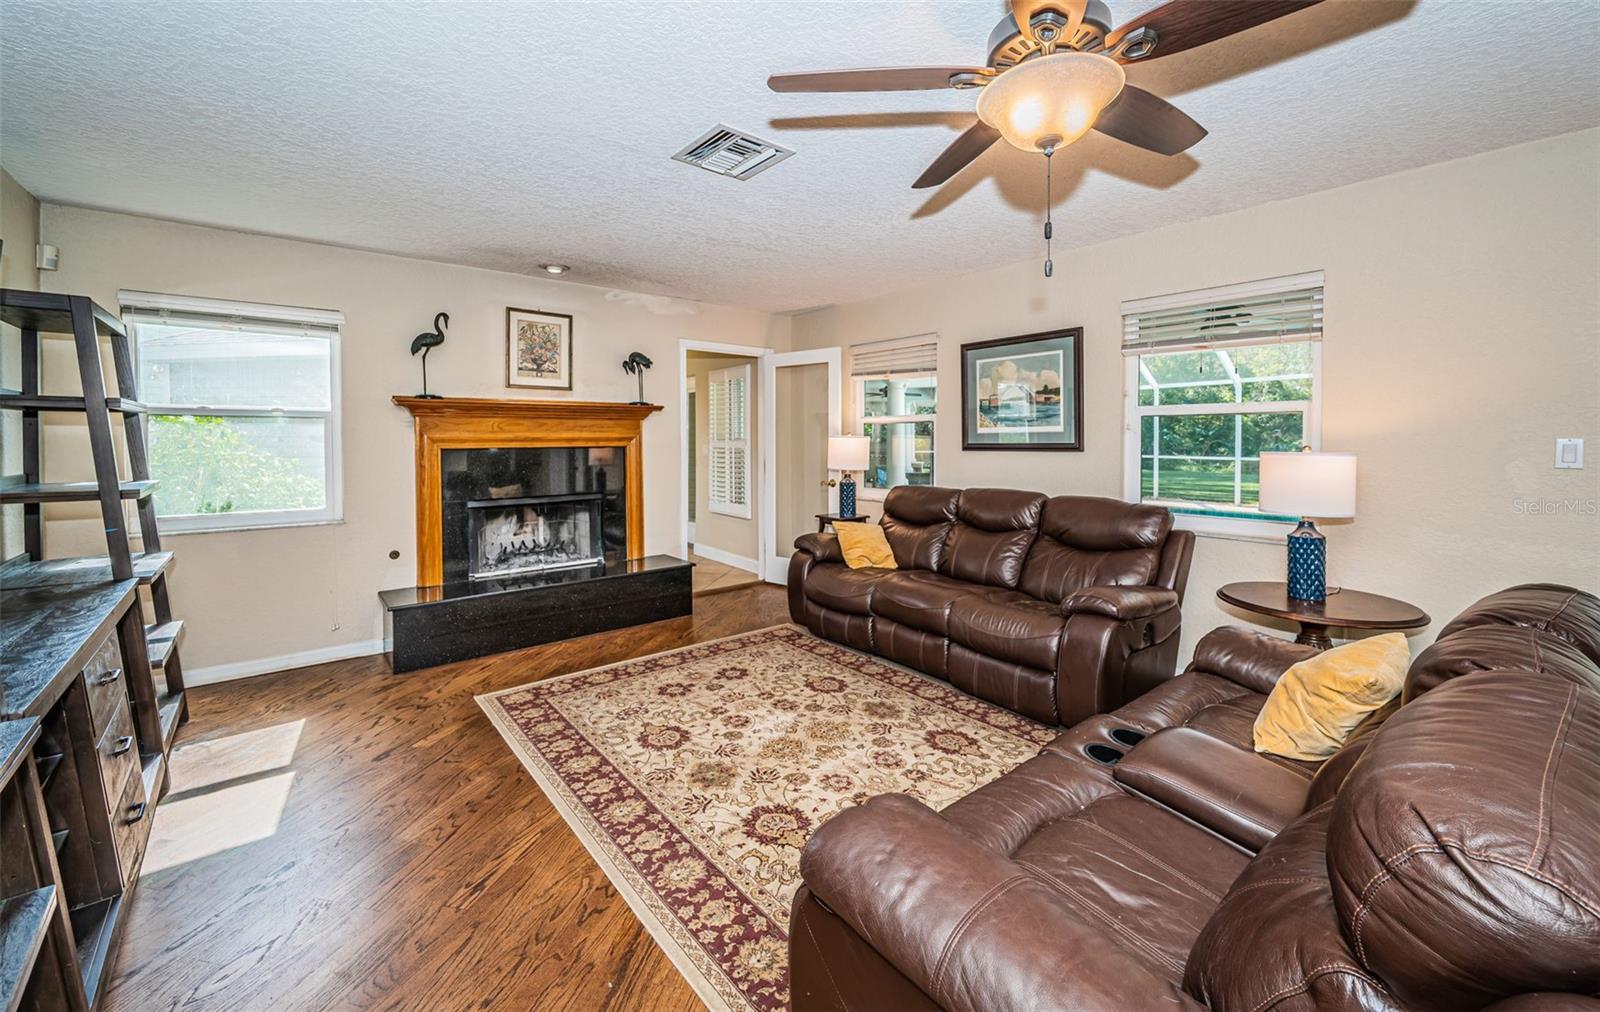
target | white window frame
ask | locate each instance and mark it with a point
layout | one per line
(1196, 518)
(863, 490)
(136, 304)
(720, 378)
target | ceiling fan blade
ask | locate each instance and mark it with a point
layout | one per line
(1022, 12)
(1149, 122)
(873, 79)
(974, 142)
(1185, 24)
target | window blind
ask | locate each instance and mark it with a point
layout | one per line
(1259, 312)
(220, 314)
(728, 441)
(900, 356)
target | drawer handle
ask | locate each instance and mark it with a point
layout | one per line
(136, 812)
(109, 677)
(123, 744)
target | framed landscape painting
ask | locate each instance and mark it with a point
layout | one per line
(538, 349)
(1023, 393)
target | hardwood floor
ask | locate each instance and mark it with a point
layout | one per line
(347, 838)
(718, 576)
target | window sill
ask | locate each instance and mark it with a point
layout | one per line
(186, 525)
(1224, 528)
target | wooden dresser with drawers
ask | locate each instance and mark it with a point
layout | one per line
(99, 728)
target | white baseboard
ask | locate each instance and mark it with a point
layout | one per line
(727, 558)
(268, 665)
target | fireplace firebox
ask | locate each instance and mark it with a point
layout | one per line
(511, 511)
(510, 536)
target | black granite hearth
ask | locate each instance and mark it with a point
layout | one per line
(425, 626)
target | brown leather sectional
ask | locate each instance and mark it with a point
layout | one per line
(1057, 608)
(1447, 857)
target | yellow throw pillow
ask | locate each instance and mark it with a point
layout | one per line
(1318, 702)
(864, 545)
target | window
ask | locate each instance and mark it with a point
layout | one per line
(728, 441)
(1213, 379)
(243, 406)
(897, 395)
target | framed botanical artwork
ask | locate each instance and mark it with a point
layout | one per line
(1023, 393)
(538, 349)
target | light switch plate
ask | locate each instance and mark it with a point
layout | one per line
(1569, 453)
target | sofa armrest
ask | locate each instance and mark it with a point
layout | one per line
(1236, 794)
(1253, 660)
(969, 926)
(822, 547)
(1122, 603)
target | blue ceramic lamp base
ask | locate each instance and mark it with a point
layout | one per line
(1308, 563)
(847, 496)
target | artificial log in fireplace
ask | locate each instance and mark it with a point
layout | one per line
(530, 528)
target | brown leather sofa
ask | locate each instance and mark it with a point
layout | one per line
(1448, 857)
(1057, 608)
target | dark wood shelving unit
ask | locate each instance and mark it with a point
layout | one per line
(85, 666)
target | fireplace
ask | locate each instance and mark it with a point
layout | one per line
(530, 528)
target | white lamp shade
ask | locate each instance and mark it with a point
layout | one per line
(847, 453)
(1309, 484)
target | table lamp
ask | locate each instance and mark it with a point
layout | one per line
(846, 454)
(1307, 485)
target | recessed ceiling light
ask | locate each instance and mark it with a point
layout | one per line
(554, 268)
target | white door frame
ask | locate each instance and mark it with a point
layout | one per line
(685, 346)
(775, 557)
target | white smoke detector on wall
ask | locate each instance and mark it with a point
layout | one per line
(46, 258)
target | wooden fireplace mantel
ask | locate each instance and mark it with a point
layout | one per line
(469, 423)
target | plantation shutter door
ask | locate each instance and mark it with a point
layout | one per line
(1273, 311)
(728, 406)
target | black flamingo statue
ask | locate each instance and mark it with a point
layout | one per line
(636, 364)
(426, 343)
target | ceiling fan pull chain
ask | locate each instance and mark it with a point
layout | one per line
(1049, 267)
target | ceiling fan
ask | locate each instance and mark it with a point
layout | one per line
(1054, 72)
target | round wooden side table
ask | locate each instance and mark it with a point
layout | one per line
(1344, 609)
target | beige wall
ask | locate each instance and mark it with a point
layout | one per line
(250, 597)
(732, 535)
(1462, 324)
(19, 227)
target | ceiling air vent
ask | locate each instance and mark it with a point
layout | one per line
(728, 152)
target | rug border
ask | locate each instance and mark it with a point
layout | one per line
(692, 975)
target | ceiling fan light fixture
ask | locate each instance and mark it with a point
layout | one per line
(1050, 101)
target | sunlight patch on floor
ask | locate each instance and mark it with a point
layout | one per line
(218, 760)
(225, 793)
(189, 828)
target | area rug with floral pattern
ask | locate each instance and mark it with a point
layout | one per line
(694, 777)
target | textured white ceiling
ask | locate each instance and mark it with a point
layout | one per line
(508, 134)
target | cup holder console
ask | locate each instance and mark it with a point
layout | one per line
(1127, 737)
(1105, 755)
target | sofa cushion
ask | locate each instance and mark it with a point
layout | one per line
(920, 599)
(1320, 700)
(1009, 625)
(1088, 542)
(916, 520)
(865, 547)
(1464, 847)
(993, 531)
(834, 585)
(1563, 612)
(1498, 647)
